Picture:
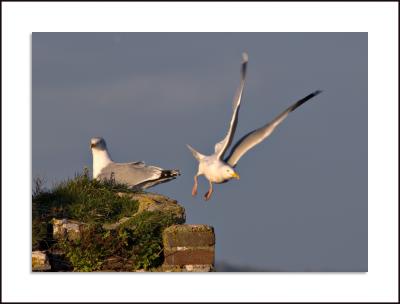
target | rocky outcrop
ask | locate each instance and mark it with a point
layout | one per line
(157, 202)
(151, 202)
(186, 248)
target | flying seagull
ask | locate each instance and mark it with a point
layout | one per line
(136, 175)
(218, 169)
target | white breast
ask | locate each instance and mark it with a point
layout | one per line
(211, 167)
(101, 159)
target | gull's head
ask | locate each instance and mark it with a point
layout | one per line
(229, 173)
(98, 143)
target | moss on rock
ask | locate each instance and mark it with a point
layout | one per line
(157, 202)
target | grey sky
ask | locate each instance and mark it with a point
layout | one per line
(301, 202)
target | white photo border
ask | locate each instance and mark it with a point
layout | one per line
(379, 19)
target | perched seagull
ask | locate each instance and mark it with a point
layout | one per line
(218, 169)
(135, 175)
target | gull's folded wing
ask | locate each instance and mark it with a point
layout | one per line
(255, 137)
(131, 174)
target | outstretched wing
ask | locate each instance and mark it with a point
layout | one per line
(255, 137)
(222, 146)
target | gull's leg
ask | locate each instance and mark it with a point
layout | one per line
(194, 190)
(209, 192)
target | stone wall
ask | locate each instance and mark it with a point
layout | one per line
(189, 248)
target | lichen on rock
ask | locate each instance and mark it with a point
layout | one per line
(157, 202)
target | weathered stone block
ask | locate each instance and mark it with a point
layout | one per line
(199, 268)
(69, 229)
(189, 255)
(187, 268)
(40, 261)
(188, 236)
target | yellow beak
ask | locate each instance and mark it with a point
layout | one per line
(235, 175)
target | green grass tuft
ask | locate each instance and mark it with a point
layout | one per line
(136, 243)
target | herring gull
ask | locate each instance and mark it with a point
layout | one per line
(218, 169)
(136, 175)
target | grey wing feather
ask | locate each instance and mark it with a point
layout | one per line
(255, 137)
(136, 174)
(222, 146)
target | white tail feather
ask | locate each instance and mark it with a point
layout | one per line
(197, 155)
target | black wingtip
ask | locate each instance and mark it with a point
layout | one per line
(301, 101)
(245, 60)
(170, 173)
